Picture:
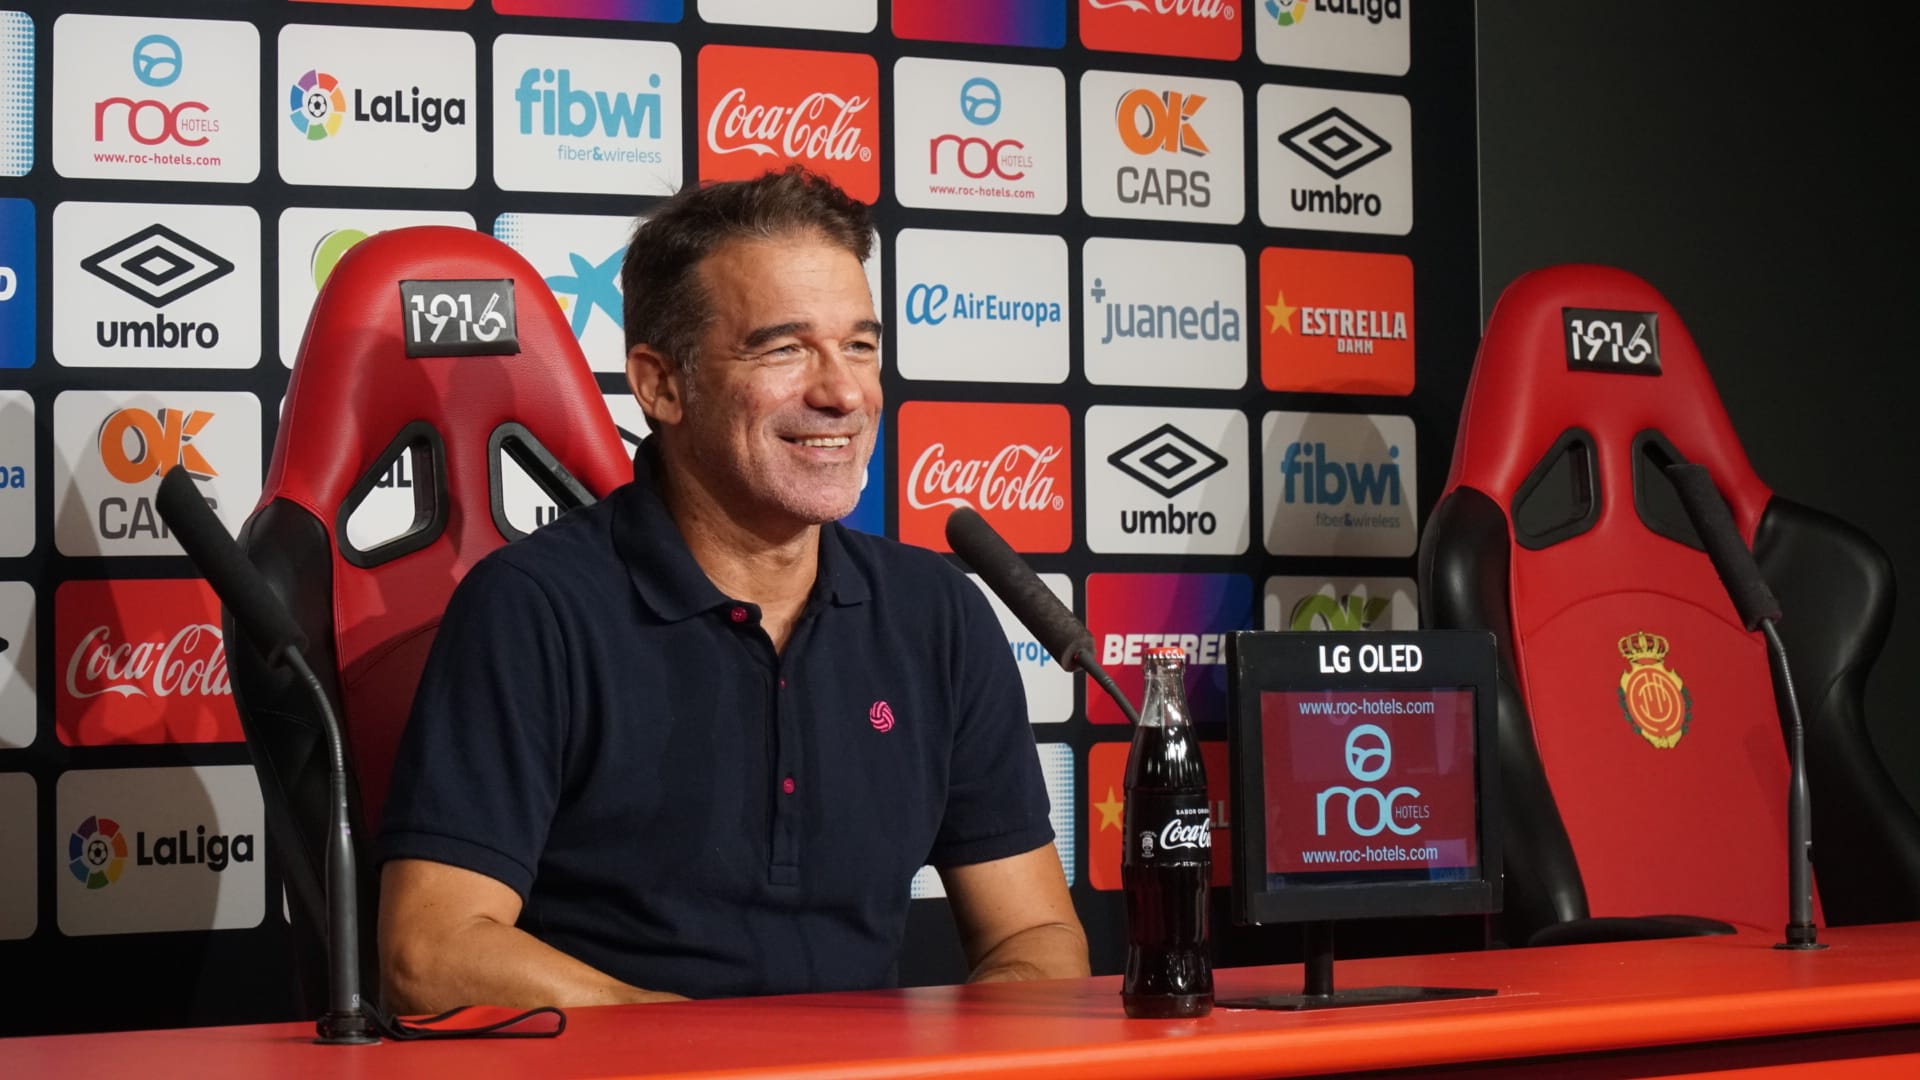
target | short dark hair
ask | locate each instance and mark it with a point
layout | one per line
(666, 305)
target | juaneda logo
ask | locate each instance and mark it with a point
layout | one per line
(1205, 29)
(1336, 322)
(1131, 613)
(1167, 148)
(1335, 160)
(1012, 463)
(1106, 811)
(760, 108)
(141, 662)
(1164, 313)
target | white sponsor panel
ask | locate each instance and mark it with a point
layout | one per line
(1164, 313)
(19, 857)
(526, 503)
(1335, 160)
(579, 257)
(17, 475)
(1167, 480)
(1337, 35)
(16, 93)
(19, 643)
(373, 107)
(112, 446)
(971, 136)
(156, 285)
(981, 307)
(156, 99)
(1056, 767)
(312, 240)
(852, 16)
(1163, 147)
(1339, 484)
(141, 850)
(1343, 603)
(1049, 687)
(586, 114)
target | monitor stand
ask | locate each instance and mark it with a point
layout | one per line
(1320, 994)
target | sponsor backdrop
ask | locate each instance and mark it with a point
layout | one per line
(1180, 294)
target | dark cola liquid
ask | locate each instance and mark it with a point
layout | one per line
(1165, 865)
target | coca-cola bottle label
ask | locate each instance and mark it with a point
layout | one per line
(1167, 829)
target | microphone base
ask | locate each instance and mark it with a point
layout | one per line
(1801, 938)
(344, 1029)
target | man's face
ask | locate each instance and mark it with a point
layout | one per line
(785, 397)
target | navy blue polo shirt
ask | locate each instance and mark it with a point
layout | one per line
(605, 732)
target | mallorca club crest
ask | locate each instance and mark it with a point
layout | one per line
(1652, 696)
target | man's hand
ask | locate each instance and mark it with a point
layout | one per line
(1016, 918)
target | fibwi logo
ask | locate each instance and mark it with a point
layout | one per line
(1168, 148)
(1107, 802)
(1331, 159)
(1011, 463)
(1038, 23)
(1131, 613)
(141, 662)
(1336, 322)
(1343, 35)
(761, 108)
(1339, 484)
(1654, 698)
(995, 136)
(579, 114)
(1206, 29)
(372, 106)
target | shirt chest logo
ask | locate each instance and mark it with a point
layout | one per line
(880, 715)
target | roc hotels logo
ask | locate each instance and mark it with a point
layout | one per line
(1012, 463)
(1205, 29)
(1339, 484)
(761, 108)
(995, 136)
(1131, 613)
(1336, 322)
(1653, 697)
(1168, 150)
(141, 662)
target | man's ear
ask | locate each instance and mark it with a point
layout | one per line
(656, 384)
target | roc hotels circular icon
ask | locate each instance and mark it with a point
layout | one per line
(156, 60)
(980, 101)
(96, 852)
(317, 103)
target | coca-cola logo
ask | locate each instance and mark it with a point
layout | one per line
(1176, 834)
(193, 662)
(1014, 478)
(821, 127)
(762, 107)
(1198, 9)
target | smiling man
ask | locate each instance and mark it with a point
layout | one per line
(695, 740)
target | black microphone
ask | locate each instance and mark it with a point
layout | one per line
(255, 606)
(1017, 586)
(1759, 610)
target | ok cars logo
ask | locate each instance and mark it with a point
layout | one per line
(1369, 755)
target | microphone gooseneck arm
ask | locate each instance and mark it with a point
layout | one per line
(1801, 932)
(1099, 675)
(345, 1020)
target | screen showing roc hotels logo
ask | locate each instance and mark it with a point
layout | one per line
(973, 136)
(586, 114)
(1131, 613)
(16, 93)
(1167, 480)
(611, 10)
(1107, 803)
(1205, 29)
(112, 446)
(1011, 463)
(1161, 147)
(19, 283)
(852, 16)
(981, 307)
(1313, 603)
(1056, 769)
(1339, 484)
(140, 662)
(156, 285)
(156, 99)
(1336, 322)
(1340, 35)
(372, 107)
(579, 257)
(18, 647)
(1049, 687)
(17, 477)
(1164, 313)
(313, 239)
(1335, 160)
(762, 108)
(1038, 23)
(142, 850)
(19, 857)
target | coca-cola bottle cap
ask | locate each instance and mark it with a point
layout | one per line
(1166, 654)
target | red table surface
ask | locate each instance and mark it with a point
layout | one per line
(1570, 1000)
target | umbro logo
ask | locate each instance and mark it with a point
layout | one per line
(1167, 460)
(1335, 143)
(157, 265)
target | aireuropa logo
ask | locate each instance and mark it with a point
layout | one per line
(1167, 480)
(376, 107)
(1336, 322)
(973, 136)
(1049, 687)
(621, 10)
(140, 662)
(18, 645)
(1012, 463)
(1131, 613)
(19, 856)
(1107, 802)
(850, 16)
(1056, 771)
(19, 283)
(981, 307)
(312, 242)
(160, 849)
(112, 446)
(155, 99)
(1335, 160)
(1161, 147)
(16, 93)
(1038, 23)
(17, 476)
(1339, 484)
(586, 114)
(1309, 603)
(1204, 29)
(762, 108)
(1164, 313)
(156, 285)
(1337, 35)
(579, 257)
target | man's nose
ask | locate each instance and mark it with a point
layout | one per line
(835, 383)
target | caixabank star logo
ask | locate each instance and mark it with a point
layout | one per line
(762, 108)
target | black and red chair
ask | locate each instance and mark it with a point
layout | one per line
(444, 346)
(1642, 758)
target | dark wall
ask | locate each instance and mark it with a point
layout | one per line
(1748, 162)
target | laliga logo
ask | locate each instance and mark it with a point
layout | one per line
(1015, 478)
(1369, 756)
(736, 126)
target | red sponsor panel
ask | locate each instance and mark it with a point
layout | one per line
(1106, 798)
(1207, 29)
(140, 662)
(1012, 463)
(1336, 322)
(763, 108)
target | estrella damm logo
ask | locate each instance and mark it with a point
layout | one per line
(97, 852)
(1652, 695)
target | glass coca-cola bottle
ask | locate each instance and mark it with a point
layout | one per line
(1166, 853)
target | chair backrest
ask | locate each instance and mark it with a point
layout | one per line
(430, 347)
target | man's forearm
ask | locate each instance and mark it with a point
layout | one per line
(1050, 951)
(485, 962)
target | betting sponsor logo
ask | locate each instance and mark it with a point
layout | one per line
(1336, 322)
(978, 306)
(1161, 147)
(147, 850)
(1167, 480)
(1056, 770)
(312, 241)
(1339, 484)
(16, 94)
(579, 257)
(376, 107)
(112, 446)
(156, 99)
(1335, 160)
(1309, 603)
(624, 10)
(1011, 463)
(19, 715)
(1339, 35)
(1049, 687)
(140, 662)
(586, 114)
(762, 108)
(1204, 29)
(1131, 613)
(1164, 313)
(444, 5)
(1038, 23)
(1107, 802)
(971, 136)
(850, 16)
(17, 475)
(19, 283)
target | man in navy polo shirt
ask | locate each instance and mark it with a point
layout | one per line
(696, 739)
